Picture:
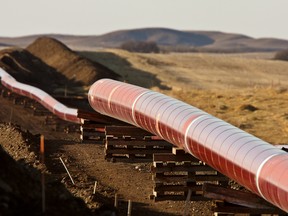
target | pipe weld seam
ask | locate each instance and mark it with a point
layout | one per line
(259, 171)
(133, 106)
(186, 133)
(110, 95)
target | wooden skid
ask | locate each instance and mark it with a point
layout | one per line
(91, 137)
(176, 197)
(176, 173)
(99, 118)
(177, 192)
(132, 131)
(134, 150)
(91, 131)
(174, 158)
(189, 177)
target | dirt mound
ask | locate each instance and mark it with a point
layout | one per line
(69, 63)
(27, 68)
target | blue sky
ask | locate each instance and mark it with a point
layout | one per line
(256, 18)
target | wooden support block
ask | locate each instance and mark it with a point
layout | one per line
(92, 126)
(134, 150)
(184, 177)
(137, 142)
(178, 151)
(172, 188)
(98, 118)
(125, 159)
(159, 167)
(174, 173)
(92, 134)
(171, 157)
(126, 131)
(179, 197)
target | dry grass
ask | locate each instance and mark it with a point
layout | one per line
(200, 71)
(269, 122)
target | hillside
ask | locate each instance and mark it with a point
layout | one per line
(237, 42)
(205, 40)
(162, 36)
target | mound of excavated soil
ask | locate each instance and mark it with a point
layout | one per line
(69, 63)
(27, 68)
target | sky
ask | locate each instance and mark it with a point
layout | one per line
(255, 18)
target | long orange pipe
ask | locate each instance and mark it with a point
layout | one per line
(252, 162)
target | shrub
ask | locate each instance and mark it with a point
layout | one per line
(140, 46)
(282, 55)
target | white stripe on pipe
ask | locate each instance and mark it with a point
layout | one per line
(259, 171)
(133, 107)
(186, 133)
(110, 95)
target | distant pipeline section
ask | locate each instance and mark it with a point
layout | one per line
(252, 162)
(59, 109)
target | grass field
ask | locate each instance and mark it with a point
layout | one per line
(195, 70)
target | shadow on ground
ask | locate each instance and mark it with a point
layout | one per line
(123, 67)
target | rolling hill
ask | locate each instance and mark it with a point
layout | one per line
(203, 40)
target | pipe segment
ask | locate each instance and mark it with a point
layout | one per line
(59, 109)
(250, 161)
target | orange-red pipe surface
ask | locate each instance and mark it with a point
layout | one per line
(59, 109)
(252, 162)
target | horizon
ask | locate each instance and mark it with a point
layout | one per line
(185, 30)
(254, 18)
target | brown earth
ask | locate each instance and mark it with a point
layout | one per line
(22, 65)
(68, 63)
(258, 109)
(53, 67)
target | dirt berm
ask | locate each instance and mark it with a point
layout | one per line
(69, 63)
(50, 65)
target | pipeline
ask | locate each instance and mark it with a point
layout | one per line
(59, 109)
(250, 161)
